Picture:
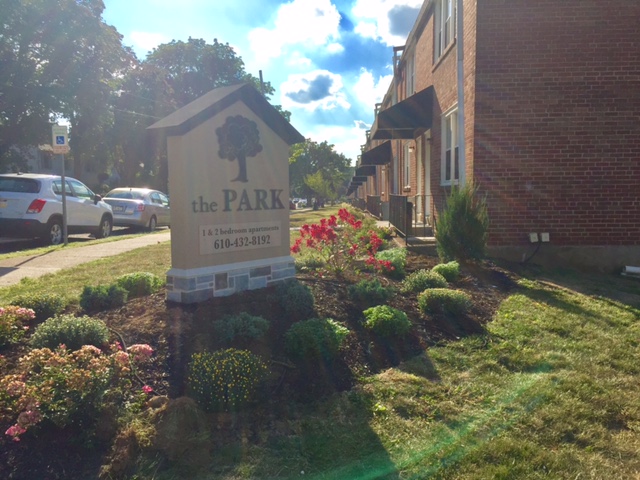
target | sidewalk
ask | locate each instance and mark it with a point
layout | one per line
(12, 270)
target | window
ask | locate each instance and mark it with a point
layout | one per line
(407, 165)
(81, 190)
(410, 73)
(444, 26)
(450, 163)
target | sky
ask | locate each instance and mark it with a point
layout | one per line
(330, 61)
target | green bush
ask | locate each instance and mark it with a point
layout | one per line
(139, 284)
(461, 229)
(309, 262)
(369, 292)
(73, 332)
(13, 323)
(397, 257)
(444, 300)
(242, 325)
(45, 305)
(314, 339)
(296, 299)
(421, 280)
(387, 321)
(226, 380)
(450, 271)
(102, 297)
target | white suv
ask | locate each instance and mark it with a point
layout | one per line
(31, 206)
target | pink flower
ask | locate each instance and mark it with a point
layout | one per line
(140, 351)
(15, 431)
(147, 389)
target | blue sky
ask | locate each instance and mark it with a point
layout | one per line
(330, 61)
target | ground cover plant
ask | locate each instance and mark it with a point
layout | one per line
(538, 379)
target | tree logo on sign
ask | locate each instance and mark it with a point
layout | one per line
(239, 139)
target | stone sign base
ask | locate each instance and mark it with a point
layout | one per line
(200, 284)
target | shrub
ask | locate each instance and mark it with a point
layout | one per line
(243, 325)
(13, 323)
(421, 280)
(314, 339)
(226, 379)
(309, 262)
(393, 262)
(450, 271)
(461, 229)
(65, 387)
(45, 305)
(73, 332)
(296, 299)
(102, 297)
(369, 292)
(139, 284)
(387, 321)
(340, 242)
(444, 300)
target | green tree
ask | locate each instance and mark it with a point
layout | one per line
(317, 169)
(58, 59)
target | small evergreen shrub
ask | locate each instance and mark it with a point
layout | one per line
(421, 280)
(14, 323)
(310, 262)
(461, 229)
(387, 321)
(314, 339)
(444, 300)
(369, 292)
(450, 271)
(73, 332)
(139, 284)
(243, 326)
(296, 299)
(45, 305)
(396, 259)
(102, 297)
(226, 380)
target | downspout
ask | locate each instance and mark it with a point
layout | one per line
(460, 54)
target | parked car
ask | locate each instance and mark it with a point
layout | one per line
(139, 207)
(31, 207)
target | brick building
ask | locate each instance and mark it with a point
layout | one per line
(551, 125)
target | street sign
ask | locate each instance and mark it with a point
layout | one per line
(59, 141)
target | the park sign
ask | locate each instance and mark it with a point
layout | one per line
(228, 156)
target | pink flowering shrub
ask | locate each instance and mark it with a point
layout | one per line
(13, 323)
(340, 242)
(64, 387)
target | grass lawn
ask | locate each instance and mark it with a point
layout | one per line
(551, 389)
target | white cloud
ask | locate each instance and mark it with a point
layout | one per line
(319, 89)
(147, 41)
(369, 91)
(335, 48)
(386, 20)
(303, 23)
(346, 141)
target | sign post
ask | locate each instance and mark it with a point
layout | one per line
(60, 146)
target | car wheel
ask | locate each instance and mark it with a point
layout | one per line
(153, 223)
(104, 230)
(54, 232)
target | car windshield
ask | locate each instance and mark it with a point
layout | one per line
(126, 194)
(19, 185)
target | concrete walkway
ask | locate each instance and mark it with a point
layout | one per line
(12, 270)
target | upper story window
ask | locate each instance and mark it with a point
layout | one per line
(444, 26)
(410, 75)
(450, 163)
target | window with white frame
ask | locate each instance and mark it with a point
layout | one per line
(444, 26)
(406, 176)
(450, 163)
(410, 73)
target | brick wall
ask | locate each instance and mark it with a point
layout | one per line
(556, 138)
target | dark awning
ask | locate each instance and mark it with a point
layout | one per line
(359, 178)
(380, 155)
(407, 119)
(366, 170)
